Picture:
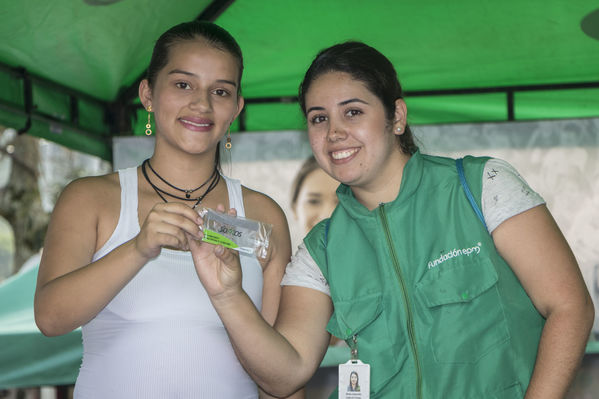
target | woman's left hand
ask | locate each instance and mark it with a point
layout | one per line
(217, 267)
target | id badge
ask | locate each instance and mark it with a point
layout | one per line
(354, 380)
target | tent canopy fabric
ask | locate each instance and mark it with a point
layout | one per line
(69, 70)
(28, 357)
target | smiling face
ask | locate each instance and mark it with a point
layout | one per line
(353, 379)
(349, 133)
(194, 97)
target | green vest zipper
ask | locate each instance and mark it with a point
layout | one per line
(407, 305)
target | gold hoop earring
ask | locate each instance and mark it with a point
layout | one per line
(228, 144)
(149, 124)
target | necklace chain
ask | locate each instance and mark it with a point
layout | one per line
(213, 180)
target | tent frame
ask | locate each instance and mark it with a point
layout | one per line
(120, 113)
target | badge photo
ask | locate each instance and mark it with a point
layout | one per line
(354, 380)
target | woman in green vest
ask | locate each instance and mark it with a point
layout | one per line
(440, 298)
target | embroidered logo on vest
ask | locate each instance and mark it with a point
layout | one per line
(475, 250)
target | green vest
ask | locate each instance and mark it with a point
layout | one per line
(436, 311)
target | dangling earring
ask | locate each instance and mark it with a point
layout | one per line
(149, 125)
(228, 144)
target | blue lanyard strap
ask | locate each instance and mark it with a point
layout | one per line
(460, 167)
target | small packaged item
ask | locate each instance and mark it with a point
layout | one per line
(236, 232)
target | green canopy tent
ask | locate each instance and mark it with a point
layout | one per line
(69, 70)
(27, 358)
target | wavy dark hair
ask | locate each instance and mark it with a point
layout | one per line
(367, 65)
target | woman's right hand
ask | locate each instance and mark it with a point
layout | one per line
(167, 225)
(218, 268)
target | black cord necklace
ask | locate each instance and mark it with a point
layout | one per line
(187, 192)
(213, 180)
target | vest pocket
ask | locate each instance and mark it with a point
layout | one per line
(466, 311)
(366, 318)
(513, 392)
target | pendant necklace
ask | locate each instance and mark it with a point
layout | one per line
(212, 183)
(187, 192)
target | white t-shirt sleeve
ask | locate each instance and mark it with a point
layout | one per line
(505, 193)
(304, 272)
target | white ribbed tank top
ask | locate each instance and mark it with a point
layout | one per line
(160, 337)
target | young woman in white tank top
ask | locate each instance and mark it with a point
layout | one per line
(122, 250)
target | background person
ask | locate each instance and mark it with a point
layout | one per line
(313, 196)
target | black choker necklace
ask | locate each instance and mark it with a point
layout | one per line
(187, 192)
(213, 180)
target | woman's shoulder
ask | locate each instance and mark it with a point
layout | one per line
(94, 183)
(89, 200)
(260, 206)
(91, 189)
(443, 161)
